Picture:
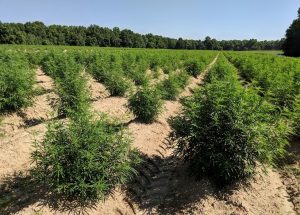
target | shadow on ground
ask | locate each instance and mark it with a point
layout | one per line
(21, 190)
(294, 150)
(289, 168)
(164, 186)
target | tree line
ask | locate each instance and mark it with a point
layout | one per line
(37, 33)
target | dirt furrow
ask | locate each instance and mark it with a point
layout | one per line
(22, 128)
(151, 188)
(97, 90)
(163, 186)
(148, 138)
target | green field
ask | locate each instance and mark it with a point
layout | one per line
(244, 109)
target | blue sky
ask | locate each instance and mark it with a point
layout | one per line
(190, 19)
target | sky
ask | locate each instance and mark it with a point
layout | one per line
(189, 19)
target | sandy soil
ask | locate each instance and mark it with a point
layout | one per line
(98, 90)
(23, 128)
(15, 150)
(43, 80)
(113, 106)
(162, 185)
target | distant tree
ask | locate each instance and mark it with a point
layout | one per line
(291, 46)
(150, 41)
(180, 44)
(208, 43)
(126, 37)
(191, 44)
(251, 44)
(76, 36)
(279, 44)
(56, 35)
(200, 45)
(4, 34)
(161, 42)
(171, 43)
(105, 37)
(138, 41)
(212, 44)
(93, 36)
(115, 38)
(37, 30)
(37, 33)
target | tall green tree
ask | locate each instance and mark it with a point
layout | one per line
(291, 46)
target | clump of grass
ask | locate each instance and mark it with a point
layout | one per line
(182, 79)
(16, 83)
(2, 134)
(73, 94)
(141, 79)
(53, 64)
(40, 91)
(166, 69)
(84, 159)
(146, 104)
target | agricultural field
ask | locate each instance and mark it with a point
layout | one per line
(148, 131)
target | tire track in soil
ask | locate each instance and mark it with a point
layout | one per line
(22, 128)
(163, 186)
(160, 179)
(289, 181)
(156, 179)
(149, 139)
(292, 184)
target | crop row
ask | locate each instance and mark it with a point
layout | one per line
(85, 157)
(277, 78)
(118, 69)
(225, 128)
(16, 82)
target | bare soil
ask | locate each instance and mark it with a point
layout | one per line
(162, 185)
(98, 90)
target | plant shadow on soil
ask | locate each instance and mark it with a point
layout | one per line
(294, 149)
(289, 166)
(161, 186)
(292, 158)
(164, 186)
(21, 190)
